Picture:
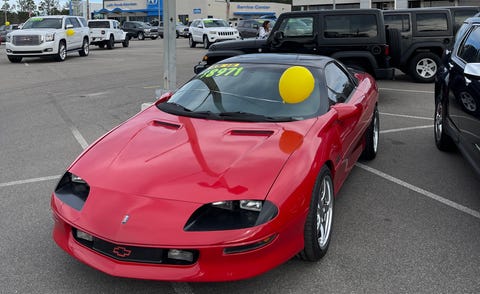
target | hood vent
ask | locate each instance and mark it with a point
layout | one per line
(265, 133)
(165, 124)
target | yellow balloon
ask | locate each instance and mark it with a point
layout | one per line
(70, 32)
(296, 84)
(7, 23)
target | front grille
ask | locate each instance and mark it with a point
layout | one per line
(27, 40)
(225, 33)
(133, 253)
(153, 30)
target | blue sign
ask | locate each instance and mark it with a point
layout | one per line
(197, 11)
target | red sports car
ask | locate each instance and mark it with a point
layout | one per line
(228, 177)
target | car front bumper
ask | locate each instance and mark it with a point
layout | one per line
(213, 263)
(44, 49)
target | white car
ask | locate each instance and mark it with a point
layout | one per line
(211, 30)
(48, 36)
(107, 32)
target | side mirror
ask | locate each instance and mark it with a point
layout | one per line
(345, 111)
(69, 26)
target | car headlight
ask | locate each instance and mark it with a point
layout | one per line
(73, 190)
(231, 215)
(147, 30)
(8, 38)
(50, 37)
(212, 32)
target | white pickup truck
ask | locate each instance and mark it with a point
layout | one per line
(107, 32)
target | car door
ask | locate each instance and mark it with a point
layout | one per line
(117, 32)
(74, 40)
(296, 34)
(197, 33)
(464, 94)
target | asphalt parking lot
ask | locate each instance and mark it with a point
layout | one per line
(406, 222)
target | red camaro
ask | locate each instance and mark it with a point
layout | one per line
(231, 175)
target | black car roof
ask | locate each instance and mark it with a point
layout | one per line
(281, 58)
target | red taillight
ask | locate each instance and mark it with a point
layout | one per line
(103, 32)
(387, 50)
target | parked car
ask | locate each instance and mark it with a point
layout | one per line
(230, 176)
(140, 30)
(211, 30)
(356, 37)
(48, 36)
(5, 29)
(107, 32)
(181, 30)
(248, 28)
(457, 96)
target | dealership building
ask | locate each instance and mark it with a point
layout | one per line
(187, 10)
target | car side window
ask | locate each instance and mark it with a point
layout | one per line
(297, 27)
(350, 26)
(339, 85)
(470, 49)
(432, 22)
(400, 22)
(73, 21)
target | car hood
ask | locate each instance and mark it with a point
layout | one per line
(239, 44)
(38, 31)
(163, 156)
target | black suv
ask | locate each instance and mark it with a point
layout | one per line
(457, 95)
(356, 37)
(425, 34)
(140, 30)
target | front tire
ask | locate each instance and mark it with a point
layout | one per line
(424, 67)
(318, 225)
(141, 36)
(85, 48)
(371, 137)
(62, 52)
(206, 42)
(191, 42)
(15, 59)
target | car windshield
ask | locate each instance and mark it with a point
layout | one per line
(43, 23)
(242, 92)
(98, 24)
(214, 23)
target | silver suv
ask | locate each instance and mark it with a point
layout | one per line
(48, 36)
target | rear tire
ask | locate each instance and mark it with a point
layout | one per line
(126, 42)
(111, 43)
(85, 48)
(424, 67)
(394, 42)
(318, 225)
(442, 140)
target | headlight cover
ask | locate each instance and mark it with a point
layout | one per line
(72, 190)
(231, 215)
(49, 37)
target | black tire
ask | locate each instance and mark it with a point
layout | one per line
(206, 42)
(15, 59)
(372, 137)
(178, 34)
(85, 48)
(424, 67)
(126, 42)
(442, 140)
(62, 52)
(154, 38)
(319, 222)
(101, 45)
(111, 43)
(394, 42)
(141, 36)
(191, 42)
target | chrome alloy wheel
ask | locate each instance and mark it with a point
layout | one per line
(325, 212)
(426, 68)
(438, 122)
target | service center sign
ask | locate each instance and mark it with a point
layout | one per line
(125, 4)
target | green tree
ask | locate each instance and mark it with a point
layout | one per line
(26, 5)
(49, 7)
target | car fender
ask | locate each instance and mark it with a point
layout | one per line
(434, 47)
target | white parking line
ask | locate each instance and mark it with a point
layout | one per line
(21, 182)
(406, 116)
(78, 136)
(431, 195)
(409, 91)
(405, 129)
